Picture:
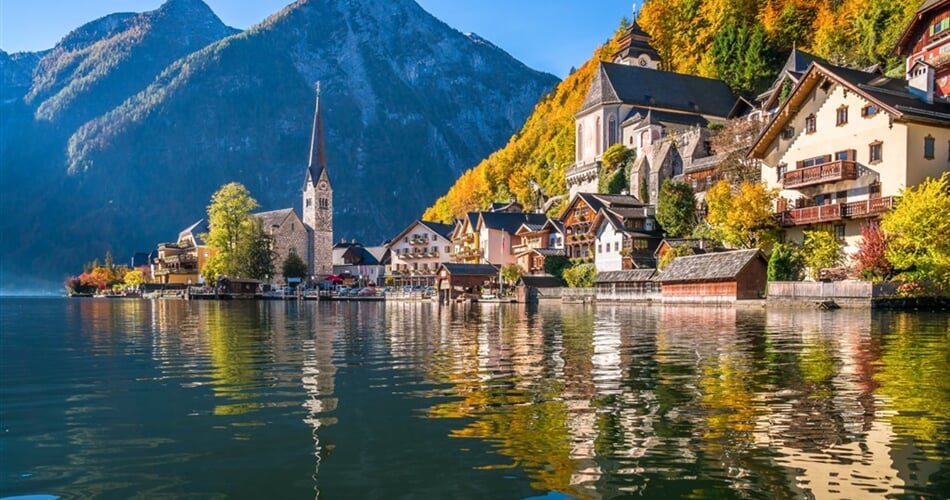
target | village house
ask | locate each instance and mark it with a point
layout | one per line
(456, 279)
(364, 265)
(181, 262)
(492, 237)
(715, 277)
(612, 231)
(537, 242)
(418, 251)
(843, 145)
(465, 240)
(925, 44)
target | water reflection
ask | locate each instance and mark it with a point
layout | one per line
(172, 398)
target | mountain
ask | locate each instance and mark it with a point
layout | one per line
(408, 103)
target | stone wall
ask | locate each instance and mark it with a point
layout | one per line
(291, 234)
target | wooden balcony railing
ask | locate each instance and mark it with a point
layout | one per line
(868, 208)
(819, 174)
(835, 212)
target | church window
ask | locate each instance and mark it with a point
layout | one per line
(580, 141)
(598, 133)
(292, 228)
(309, 202)
(929, 146)
(611, 130)
(810, 125)
(324, 203)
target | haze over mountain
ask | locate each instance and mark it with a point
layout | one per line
(133, 120)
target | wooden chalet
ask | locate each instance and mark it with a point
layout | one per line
(454, 279)
(734, 275)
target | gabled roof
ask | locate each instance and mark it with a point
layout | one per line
(540, 281)
(929, 7)
(274, 217)
(890, 94)
(625, 276)
(195, 231)
(554, 225)
(380, 253)
(509, 222)
(444, 230)
(717, 266)
(632, 85)
(658, 117)
(530, 227)
(795, 66)
(457, 269)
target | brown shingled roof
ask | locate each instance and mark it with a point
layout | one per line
(718, 266)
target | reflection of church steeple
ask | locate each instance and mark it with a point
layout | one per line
(635, 48)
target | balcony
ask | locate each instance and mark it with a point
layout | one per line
(835, 212)
(841, 170)
(418, 240)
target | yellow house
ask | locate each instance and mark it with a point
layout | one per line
(181, 262)
(844, 144)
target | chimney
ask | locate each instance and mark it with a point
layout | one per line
(920, 81)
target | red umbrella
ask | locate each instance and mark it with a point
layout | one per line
(334, 279)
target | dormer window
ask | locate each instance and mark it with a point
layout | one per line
(869, 111)
(810, 125)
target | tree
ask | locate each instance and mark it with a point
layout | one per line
(294, 266)
(871, 259)
(228, 213)
(917, 230)
(555, 265)
(731, 144)
(254, 257)
(511, 273)
(676, 209)
(234, 234)
(784, 263)
(821, 250)
(134, 278)
(742, 56)
(674, 252)
(742, 219)
(109, 262)
(612, 178)
(580, 276)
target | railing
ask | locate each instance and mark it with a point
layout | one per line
(868, 208)
(810, 215)
(835, 212)
(419, 241)
(184, 259)
(826, 172)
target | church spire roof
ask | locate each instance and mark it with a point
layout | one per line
(318, 156)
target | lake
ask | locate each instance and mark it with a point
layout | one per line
(173, 399)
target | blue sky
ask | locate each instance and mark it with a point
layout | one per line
(550, 35)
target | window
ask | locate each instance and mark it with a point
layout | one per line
(600, 248)
(875, 152)
(324, 203)
(309, 202)
(811, 162)
(448, 249)
(598, 132)
(841, 196)
(839, 231)
(780, 171)
(846, 155)
(580, 141)
(940, 26)
(611, 130)
(869, 111)
(616, 246)
(810, 126)
(639, 244)
(929, 145)
(841, 117)
(788, 133)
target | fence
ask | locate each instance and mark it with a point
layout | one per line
(842, 292)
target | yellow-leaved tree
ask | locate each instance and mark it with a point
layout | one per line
(917, 230)
(742, 217)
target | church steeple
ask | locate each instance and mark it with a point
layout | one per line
(318, 200)
(635, 48)
(317, 165)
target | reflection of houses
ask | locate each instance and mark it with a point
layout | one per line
(720, 276)
(416, 253)
(619, 231)
(366, 264)
(181, 262)
(288, 234)
(845, 143)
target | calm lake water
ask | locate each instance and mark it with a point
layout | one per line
(153, 399)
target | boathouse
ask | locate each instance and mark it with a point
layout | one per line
(454, 279)
(532, 287)
(715, 277)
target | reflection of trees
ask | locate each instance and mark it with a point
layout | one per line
(914, 374)
(235, 339)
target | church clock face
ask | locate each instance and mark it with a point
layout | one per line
(643, 61)
(322, 186)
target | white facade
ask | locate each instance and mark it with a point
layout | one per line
(419, 250)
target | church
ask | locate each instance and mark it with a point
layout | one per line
(310, 236)
(632, 102)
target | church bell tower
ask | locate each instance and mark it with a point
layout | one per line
(318, 201)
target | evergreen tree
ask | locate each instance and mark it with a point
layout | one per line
(784, 263)
(254, 257)
(294, 266)
(676, 208)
